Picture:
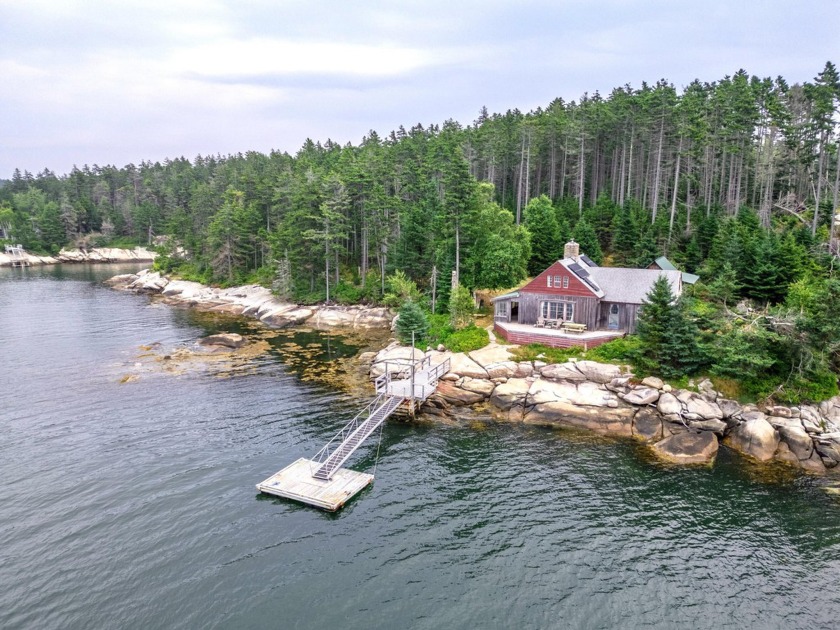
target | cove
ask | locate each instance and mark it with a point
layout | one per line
(133, 505)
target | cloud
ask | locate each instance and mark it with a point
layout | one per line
(263, 56)
(113, 82)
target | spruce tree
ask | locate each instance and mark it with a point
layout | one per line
(412, 320)
(668, 338)
(541, 222)
(585, 235)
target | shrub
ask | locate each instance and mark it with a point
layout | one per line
(467, 339)
(439, 329)
(622, 349)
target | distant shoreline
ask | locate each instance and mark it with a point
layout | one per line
(93, 255)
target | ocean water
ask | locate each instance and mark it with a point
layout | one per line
(127, 499)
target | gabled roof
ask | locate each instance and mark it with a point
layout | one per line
(630, 286)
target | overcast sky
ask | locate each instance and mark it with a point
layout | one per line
(119, 81)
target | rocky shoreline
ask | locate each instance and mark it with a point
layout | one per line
(93, 255)
(681, 426)
(252, 301)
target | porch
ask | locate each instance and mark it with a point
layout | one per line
(524, 334)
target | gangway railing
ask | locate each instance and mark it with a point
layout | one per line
(413, 380)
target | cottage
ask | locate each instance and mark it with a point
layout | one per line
(575, 295)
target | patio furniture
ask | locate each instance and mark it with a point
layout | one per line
(573, 327)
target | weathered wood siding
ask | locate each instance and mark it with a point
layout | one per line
(627, 315)
(586, 308)
(540, 284)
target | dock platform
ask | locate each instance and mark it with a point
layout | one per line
(296, 482)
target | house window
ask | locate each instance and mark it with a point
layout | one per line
(557, 281)
(558, 310)
(565, 282)
(502, 309)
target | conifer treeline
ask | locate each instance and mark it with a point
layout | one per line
(639, 173)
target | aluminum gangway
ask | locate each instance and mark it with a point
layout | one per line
(322, 481)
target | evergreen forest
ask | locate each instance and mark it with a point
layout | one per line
(735, 180)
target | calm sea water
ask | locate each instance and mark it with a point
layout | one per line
(132, 505)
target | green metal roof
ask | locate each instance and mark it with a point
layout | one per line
(665, 264)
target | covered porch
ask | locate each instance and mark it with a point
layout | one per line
(524, 334)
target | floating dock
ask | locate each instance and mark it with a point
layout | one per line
(321, 481)
(296, 482)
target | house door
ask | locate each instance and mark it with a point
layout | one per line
(514, 311)
(612, 321)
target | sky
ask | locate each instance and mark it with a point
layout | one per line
(123, 81)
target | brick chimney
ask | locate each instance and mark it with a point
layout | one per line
(571, 250)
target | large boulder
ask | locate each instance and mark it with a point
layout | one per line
(598, 372)
(456, 396)
(605, 420)
(478, 386)
(713, 425)
(511, 393)
(562, 372)
(756, 438)
(654, 382)
(462, 365)
(121, 281)
(286, 318)
(374, 318)
(699, 408)
(797, 440)
(669, 405)
(642, 396)
(647, 425)
(149, 282)
(688, 448)
(333, 317)
(583, 394)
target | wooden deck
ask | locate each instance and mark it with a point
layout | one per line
(296, 482)
(523, 334)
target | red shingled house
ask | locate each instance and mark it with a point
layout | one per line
(576, 302)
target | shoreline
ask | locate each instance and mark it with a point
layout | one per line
(679, 426)
(93, 255)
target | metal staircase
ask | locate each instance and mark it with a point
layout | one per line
(344, 444)
(418, 383)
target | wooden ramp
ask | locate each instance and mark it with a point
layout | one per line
(296, 482)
